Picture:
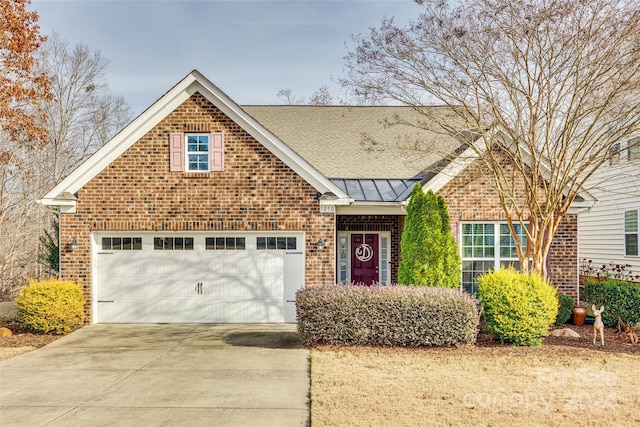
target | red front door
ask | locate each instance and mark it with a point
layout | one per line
(364, 258)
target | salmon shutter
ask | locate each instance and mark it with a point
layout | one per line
(217, 152)
(455, 230)
(176, 143)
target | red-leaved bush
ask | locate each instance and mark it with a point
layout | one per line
(386, 316)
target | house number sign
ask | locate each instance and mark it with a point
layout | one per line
(364, 252)
(327, 209)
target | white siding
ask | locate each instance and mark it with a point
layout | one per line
(601, 230)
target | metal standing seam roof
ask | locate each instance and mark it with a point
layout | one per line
(377, 190)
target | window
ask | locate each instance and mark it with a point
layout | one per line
(631, 233)
(196, 152)
(276, 243)
(488, 247)
(173, 243)
(614, 154)
(121, 243)
(225, 243)
(633, 149)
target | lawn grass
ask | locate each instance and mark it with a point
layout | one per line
(475, 386)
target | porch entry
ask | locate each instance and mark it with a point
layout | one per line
(363, 257)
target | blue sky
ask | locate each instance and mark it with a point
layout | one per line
(250, 49)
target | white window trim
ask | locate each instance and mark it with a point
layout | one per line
(186, 151)
(625, 233)
(347, 235)
(496, 259)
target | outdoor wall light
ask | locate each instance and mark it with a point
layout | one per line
(73, 245)
(320, 245)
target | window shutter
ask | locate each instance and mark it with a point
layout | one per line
(217, 152)
(455, 230)
(176, 143)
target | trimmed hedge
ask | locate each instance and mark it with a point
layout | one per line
(620, 299)
(385, 316)
(565, 307)
(519, 307)
(51, 306)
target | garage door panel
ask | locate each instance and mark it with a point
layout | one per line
(196, 285)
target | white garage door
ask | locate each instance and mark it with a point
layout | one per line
(201, 278)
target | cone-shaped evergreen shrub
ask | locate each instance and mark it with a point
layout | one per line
(428, 251)
(519, 307)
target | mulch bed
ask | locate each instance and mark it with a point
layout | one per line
(561, 345)
(612, 343)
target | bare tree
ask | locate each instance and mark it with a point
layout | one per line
(82, 116)
(322, 96)
(288, 98)
(549, 87)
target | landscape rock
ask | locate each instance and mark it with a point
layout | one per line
(5, 332)
(564, 332)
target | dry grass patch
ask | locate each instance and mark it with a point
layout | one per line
(491, 386)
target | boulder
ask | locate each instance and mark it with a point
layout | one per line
(5, 332)
(564, 332)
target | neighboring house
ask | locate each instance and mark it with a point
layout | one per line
(204, 211)
(609, 231)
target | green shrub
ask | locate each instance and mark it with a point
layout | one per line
(51, 306)
(620, 299)
(565, 307)
(428, 251)
(519, 307)
(386, 316)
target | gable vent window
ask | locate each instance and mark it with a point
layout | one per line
(225, 243)
(122, 243)
(196, 152)
(173, 243)
(276, 243)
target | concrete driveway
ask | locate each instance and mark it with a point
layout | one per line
(152, 375)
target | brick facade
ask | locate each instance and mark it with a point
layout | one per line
(255, 192)
(470, 197)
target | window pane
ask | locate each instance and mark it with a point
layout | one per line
(271, 243)
(157, 243)
(281, 243)
(106, 243)
(631, 221)
(631, 244)
(137, 243)
(126, 243)
(634, 149)
(220, 243)
(179, 243)
(168, 243)
(291, 243)
(209, 243)
(240, 243)
(230, 243)
(261, 243)
(117, 243)
(188, 243)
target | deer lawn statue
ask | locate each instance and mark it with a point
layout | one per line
(597, 324)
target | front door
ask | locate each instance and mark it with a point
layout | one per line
(364, 258)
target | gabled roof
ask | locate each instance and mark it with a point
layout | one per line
(192, 83)
(351, 142)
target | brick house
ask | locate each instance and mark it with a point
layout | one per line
(204, 211)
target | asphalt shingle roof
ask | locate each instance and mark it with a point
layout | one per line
(359, 142)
